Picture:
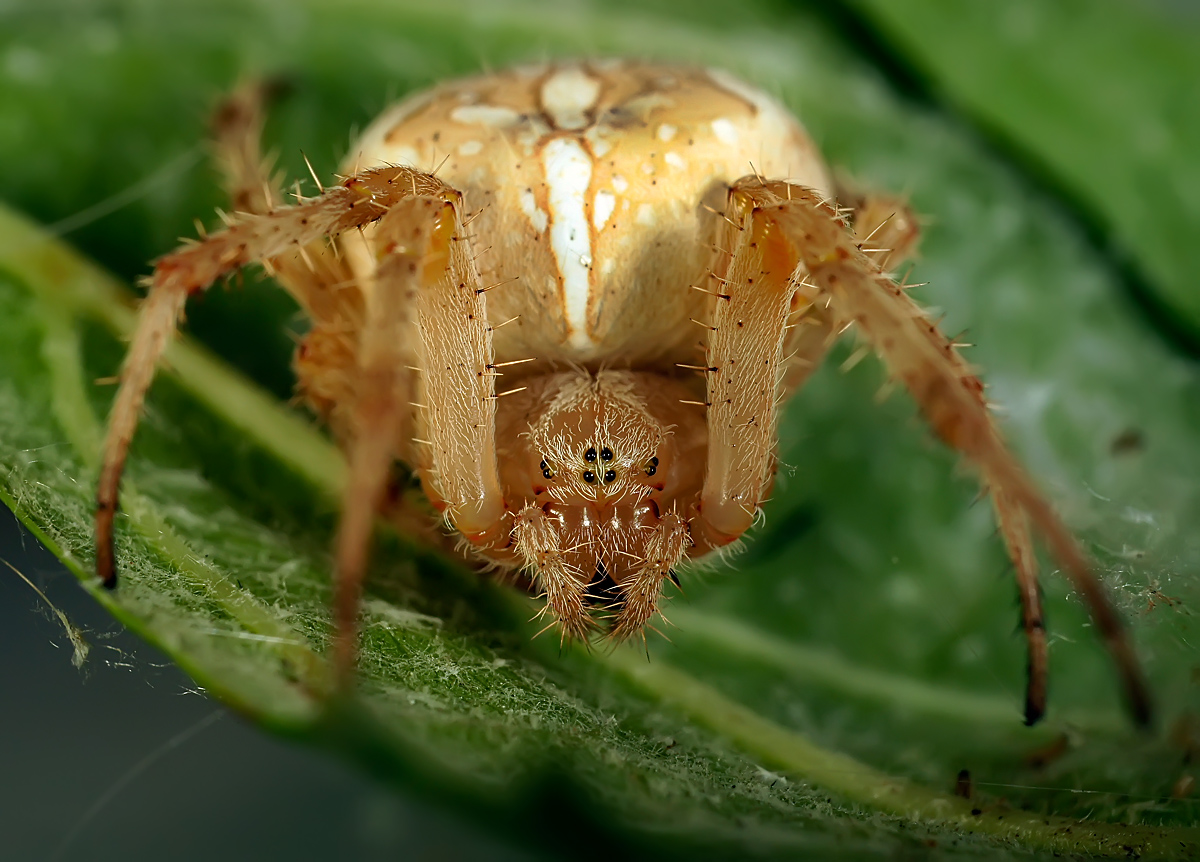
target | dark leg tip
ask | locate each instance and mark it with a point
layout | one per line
(1033, 712)
(1143, 713)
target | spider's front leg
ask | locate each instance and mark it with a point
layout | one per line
(754, 287)
(950, 396)
(466, 472)
(768, 333)
(425, 274)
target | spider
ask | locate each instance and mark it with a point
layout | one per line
(665, 265)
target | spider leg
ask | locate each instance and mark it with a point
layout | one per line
(457, 386)
(426, 275)
(768, 333)
(755, 294)
(313, 274)
(237, 126)
(1014, 527)
(664, 550)
(886, 229)
(354, 203)
(952, 399)
(413, 247)
(317, 276)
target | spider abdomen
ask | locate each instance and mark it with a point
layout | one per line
(590, 182)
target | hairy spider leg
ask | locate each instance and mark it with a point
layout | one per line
(316, 275)
(886, 231)
(753, 285)
(237, 126)
(319, 279)
(1014, 527)
(941, 382)
(356, 202)
(409, 257)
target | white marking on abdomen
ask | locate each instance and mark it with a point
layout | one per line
(602, 208)
(567, 95)
(568, 175)
(725, 131)
(537, 216)
(485, 115)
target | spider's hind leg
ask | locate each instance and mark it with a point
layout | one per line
(313, 273)
(885, 227)
(236, 125)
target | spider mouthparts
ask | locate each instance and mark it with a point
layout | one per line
(602, 589)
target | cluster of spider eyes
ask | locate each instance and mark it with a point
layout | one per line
(605, 455)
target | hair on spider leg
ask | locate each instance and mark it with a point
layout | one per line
(493, 286)
(312, 173)
(860, 353)
(715, 293)
(512, 362)
(717, 212)
(885, 391)
(505, 323)
(439, 165)
(508, 392)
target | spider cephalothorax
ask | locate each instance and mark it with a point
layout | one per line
(600, 469)
(669, 235)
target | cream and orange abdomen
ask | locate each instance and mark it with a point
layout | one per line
(590, 181)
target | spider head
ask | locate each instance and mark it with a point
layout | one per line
(605, 456)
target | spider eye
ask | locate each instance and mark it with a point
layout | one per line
(610, 476)
(546, 471)
(606, 454)
(590, 455)
(652, 467)
(589, 477)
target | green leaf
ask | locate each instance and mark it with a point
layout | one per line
(1097, 96)
(820, 694)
